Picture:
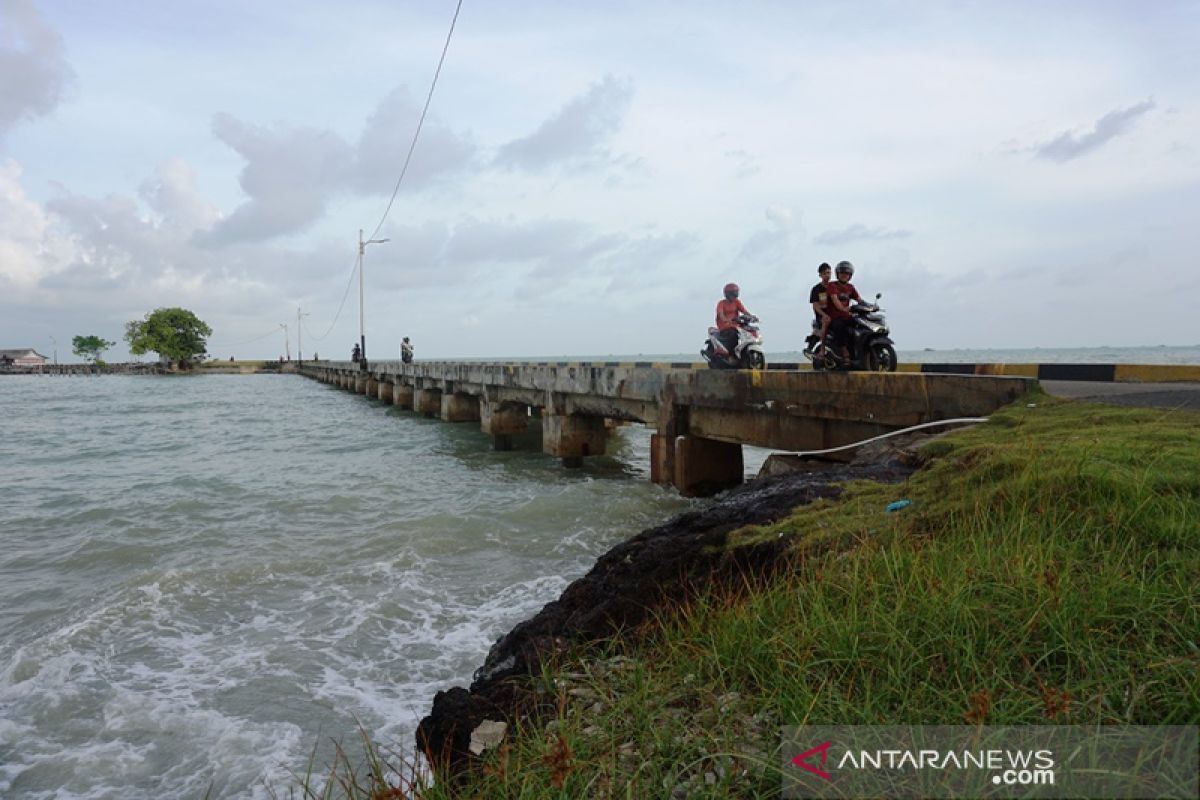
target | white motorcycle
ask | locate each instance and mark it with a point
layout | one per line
(747, 353)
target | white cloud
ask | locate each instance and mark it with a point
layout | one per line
(577, 134)
(24, 233)
(1070, 145)
(860, 233)
(289, 175)
(385, 143)
(34, 73)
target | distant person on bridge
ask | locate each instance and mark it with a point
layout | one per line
(818, 298)
(406, 351)
(841, 294)
(355, 354)
(728, 311)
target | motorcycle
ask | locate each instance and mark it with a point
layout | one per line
(747, 353)
(870, 346)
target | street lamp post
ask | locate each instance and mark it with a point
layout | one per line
(299, 338)
(362, 334)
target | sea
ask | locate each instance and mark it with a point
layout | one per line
(209, 583)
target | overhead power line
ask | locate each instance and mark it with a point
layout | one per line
(341, 305)
(403, 170)
(420, 122)
(273, 332)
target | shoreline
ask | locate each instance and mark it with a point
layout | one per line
(1006, 591)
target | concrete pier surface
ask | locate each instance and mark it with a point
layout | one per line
(701, 417)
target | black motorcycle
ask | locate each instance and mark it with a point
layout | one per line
(870, 347)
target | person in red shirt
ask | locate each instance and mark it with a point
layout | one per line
(818, 298)
(841, 294)
(728, 311)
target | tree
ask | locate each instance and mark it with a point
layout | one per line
(90, 348)
(174, 333)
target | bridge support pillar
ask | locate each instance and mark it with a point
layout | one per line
(371, 389)
(459, 407)
(502, 421)
(360, 384)
(706, 466)
(571, 437)
(385, 391)
(402, 396)
(672, 423)
(427, 401)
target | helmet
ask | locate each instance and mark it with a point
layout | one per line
(824, 267)
(845, 267)
(731, 291)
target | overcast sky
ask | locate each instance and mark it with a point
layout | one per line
(1007, 174)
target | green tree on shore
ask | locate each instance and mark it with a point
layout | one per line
(90, 348)
(174, 333)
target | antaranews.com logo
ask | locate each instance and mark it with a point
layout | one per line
(967, 761)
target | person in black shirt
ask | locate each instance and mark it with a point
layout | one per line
(819, 299)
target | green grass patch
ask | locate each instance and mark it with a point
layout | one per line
(1045, 573)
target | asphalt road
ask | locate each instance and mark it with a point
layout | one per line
(1146, 395)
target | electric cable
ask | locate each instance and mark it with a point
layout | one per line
(341, 305)
(225, 345)
(961, 420)
(420, 122)
(403, 170)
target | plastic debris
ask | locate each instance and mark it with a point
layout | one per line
(897, 505)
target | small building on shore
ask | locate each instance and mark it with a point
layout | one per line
(22, 357)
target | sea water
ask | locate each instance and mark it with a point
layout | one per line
(205, 578)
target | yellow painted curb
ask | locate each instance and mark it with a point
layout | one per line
(1156, 373)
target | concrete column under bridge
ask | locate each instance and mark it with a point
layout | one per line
(459, 407)
(694, 465)
(427, 401)
(402, 396)
(706, 466)
(503, 421)
(385, 391)
(572, 436)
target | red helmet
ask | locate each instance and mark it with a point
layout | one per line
(731, 291)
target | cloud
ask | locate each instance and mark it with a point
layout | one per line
(24, 227)
(292, 173)
(34, 72)
(1068, 145)
(387, 137)
(745, 165)
(774, 243)
(289, 175)
(860, 233)
(577, 134)
(173, 194)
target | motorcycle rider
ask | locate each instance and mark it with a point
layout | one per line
(841, 294)
(728, 311)
(818, 297)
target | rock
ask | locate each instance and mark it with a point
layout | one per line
(488, 733)
(657, 568)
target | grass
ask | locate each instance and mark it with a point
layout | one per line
(1045, 572)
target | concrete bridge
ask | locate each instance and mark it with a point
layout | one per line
(701, 417)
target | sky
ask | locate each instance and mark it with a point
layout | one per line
(589, 175)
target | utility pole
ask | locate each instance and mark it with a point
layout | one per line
(299, 330)
(286, 342)
(362, 334)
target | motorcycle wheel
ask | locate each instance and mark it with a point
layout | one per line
(756, 360)
(881, 357)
